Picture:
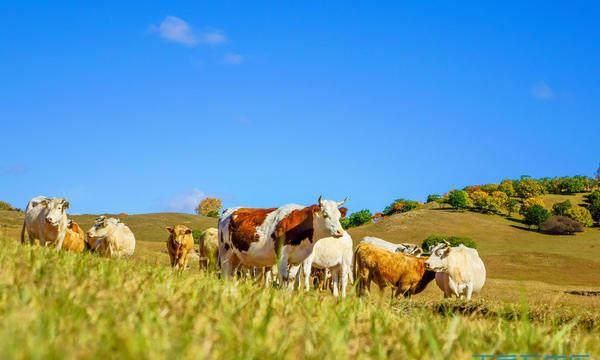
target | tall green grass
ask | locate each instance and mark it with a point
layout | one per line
(62, 305)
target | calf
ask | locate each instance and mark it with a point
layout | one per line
(459, 270)
(74, 238)
(405, 273)
(46, 221)
(179, 245)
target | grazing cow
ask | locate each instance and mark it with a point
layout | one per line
(111, 238)
(459, 270)
(262, 237)
(74, 238)
(179, 245)
(46, 221)
(208, 248)
(406, 248)
(334, 254)
(406, 273)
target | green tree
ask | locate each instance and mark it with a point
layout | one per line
(357, 219)
(459, 199)
(400, 206)
(507, 187)
(560, 208)
(434, 198)
(210, 207)
(480, 200)
(5, 206)
(535, 215)
(512, 206)
(528, 187)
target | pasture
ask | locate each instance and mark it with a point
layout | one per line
(67, 305)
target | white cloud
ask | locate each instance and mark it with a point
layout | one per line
(186, 202)
(213, 37)
(176, 30)
(233, 59)
(542, 91)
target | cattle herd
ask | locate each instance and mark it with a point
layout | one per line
(276, 245)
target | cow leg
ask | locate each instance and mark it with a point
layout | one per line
(292, 275)
(307, 270)
(469, 291)
(345, 276)
(283, 269)
(335, 276)
(229, 264)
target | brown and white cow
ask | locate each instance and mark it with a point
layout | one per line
(263, 237)
(407, 274)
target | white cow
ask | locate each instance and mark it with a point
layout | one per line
(111, 238)
(406, 248)
(459, 270)
(46, 221)
(334, 254)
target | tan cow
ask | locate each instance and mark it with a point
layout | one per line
(405, 273)
(180, 244)
(208, 248)
(111, 238)
(74, 238)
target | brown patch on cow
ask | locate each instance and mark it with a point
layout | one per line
(243, 224)
(295, 227)
(343, 211)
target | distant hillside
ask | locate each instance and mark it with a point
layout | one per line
(146, 227)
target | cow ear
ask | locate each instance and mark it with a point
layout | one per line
(66, 204)
(188, 231)
(343, 211)
(169, 229)
(44, 202)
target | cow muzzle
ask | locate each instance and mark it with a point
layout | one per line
(338, 233)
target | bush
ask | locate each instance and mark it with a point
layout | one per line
(535, 215)
(531, 202)
(459, 199)
(506, 186)
(560, 225)
(561, 208)
(581, 215)
(512, 206)
(434, 198)
(433, 240)
(528, 187)
(357, 219)
(400, 206)
(5, 206)
(197, 234)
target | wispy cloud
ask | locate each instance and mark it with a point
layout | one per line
(175, 30)
(179, 31)
(185, 202)
(233, 59)
(542, 91)
(213, 37)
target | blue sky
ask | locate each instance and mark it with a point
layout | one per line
(148, 107)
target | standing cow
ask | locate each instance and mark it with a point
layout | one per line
(407, 274)
(333, 254)
(208, 248)
(179, 245)
(261, 237)
(46, 221)
(459, 270)
(111, 238)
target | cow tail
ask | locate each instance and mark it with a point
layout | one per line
(23, 233)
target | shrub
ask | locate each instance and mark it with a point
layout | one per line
(434, 198)
(512, 206)
(209, 207)
(594, 209)
(480, 200)
(5, 206)
(507, 187)
(459, 199)
(535, 215)
(561, 208)
(400, 206)
(490, 188)
(433, 240)
(560, 225)
(197, 234)
(581, 215)
(357, 219)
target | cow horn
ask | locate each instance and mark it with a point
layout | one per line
(340, 203)
(320, 201)
(446, 242)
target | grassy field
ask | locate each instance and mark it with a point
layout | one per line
(65, 305)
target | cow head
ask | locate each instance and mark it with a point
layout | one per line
(438, 261)
(410, 249)
(327, 217)
(102, 226)
(178, 233)
(56, 209)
